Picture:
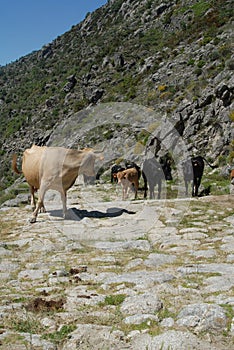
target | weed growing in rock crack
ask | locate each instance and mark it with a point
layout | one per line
(152, 327)
(61, 335)
(13, 341)
(115, 286)
(104, 320)
(28, 323)
(113, 300)
(187, 223)
(230, 315)
(130, 255)
(165, 313)
(142, 238)
(105, 314)
(106, 199)
(22, 299)
(190, 282)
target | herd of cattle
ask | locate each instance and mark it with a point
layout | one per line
(154, 171)
(57, 168)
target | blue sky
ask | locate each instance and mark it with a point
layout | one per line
(27, 25)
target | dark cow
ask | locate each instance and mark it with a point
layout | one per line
(193, 169)
(153, 173)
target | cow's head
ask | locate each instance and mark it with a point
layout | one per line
(88, 161)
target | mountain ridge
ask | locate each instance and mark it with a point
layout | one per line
(174, 57)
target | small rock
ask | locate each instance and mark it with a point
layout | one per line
(141, 304)
(203, 317)
(167, 322)
(138, 319)
(159, 259)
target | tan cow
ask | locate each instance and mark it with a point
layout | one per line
(54, 168)
(127, 178)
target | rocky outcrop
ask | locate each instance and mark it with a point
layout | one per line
(149, 53)
(70, 84)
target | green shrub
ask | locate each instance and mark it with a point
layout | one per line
(201, 63)
(114, 299)
(60, 336)
(191, 62)
(200, 8)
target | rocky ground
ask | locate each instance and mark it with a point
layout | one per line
(136, 274)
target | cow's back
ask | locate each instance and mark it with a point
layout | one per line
(56, 167)
(62, 165)
(131, 174)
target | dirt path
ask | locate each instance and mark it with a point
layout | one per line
(118, 275)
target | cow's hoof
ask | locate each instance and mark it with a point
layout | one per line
(32, 220)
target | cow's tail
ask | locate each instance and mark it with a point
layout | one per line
(14, 165)
(212, 166)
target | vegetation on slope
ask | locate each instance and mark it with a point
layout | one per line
(34, 95)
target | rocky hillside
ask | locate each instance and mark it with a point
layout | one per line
(174, 57)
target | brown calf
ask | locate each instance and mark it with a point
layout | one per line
(127, 178)
(232, 176)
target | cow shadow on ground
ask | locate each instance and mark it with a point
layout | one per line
(79, 214)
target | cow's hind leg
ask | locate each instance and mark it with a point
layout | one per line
(195, 189)
(40, 203)
(43, 209)
(151, 190)
(145, 184)
(186, 187)
(196, 184)
(136, 186)
(159, 189)
(63, 195)
(33, 201)
(125, 192)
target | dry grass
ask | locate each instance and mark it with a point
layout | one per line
(8, 225)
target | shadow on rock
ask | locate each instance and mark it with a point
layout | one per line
(79, 214)
(205, 192)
